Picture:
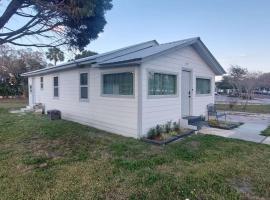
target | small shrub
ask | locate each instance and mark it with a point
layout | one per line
(174, 133)
(213, 123)
(168, 127)
(176, 127)
(159, 130)
(151, 133)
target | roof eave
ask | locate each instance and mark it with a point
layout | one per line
(208, 56)
(62, 67)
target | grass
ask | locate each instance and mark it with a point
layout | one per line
(42, 159)
(12, 103)
(266, 132)
(250, 108)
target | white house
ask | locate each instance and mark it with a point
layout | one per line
(130, 90)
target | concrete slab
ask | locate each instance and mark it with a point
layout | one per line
(250, 131)
(216, 131)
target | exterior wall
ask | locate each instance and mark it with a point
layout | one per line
(113, 114)
(159, 110)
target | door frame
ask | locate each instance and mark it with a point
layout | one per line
(191, 89)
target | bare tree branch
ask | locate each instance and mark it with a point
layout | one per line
(13, 6)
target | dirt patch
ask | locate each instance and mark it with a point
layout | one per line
(242, 186)
(245, 188)
(25, 168)
(51, 149)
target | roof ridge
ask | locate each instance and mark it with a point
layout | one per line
(184, 40)
(128, 53)
(113, 51)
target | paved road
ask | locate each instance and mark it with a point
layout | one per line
(225, 100)
(250, 131)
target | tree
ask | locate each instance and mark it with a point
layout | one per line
(85, 53)
(224, 83)
(249, 83)
(265, 81)
(14, 62)
(51, 23)
(55, 54)
(236, 76)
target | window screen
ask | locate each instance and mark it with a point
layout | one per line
(118, 84)
(162, 84)
(203, 86)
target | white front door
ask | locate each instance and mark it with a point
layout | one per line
(185, 93)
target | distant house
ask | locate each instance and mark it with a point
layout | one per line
(130, 90)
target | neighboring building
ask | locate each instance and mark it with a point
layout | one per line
(130, 90)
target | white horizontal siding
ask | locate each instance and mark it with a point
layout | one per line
(113, 114)
(160, 110)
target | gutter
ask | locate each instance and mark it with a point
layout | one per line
(65, 66)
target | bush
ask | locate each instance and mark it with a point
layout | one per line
(213, 123)
(151, 133)
(168, 127)
(159, 130)
(176, 126)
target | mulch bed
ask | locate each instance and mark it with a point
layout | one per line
(160, 141)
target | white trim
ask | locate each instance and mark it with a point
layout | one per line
(140, 102)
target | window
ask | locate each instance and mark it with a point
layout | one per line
(84, 86)
(118, 84)
(203, 86)
(41, 83)
(162, 84)
(55, 86)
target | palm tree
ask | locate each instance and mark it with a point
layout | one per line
(55, 54)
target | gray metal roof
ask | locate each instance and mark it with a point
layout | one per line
(136, 54)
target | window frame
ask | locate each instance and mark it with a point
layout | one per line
(80, 86)
(207, 78)
(152, 96)
(41, 83)
(56, 97)
(117, 72)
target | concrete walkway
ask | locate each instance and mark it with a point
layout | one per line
(249, 131)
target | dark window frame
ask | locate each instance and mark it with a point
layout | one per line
(56, 87)
(84, 85)
(118, 88)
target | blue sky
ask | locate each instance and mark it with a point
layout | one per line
(235, 31)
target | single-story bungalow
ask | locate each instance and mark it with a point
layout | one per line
(132, 89)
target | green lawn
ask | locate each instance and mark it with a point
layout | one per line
(266, 132)
(250, 108)
(42, 159)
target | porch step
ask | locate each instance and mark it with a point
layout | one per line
(195, 121)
